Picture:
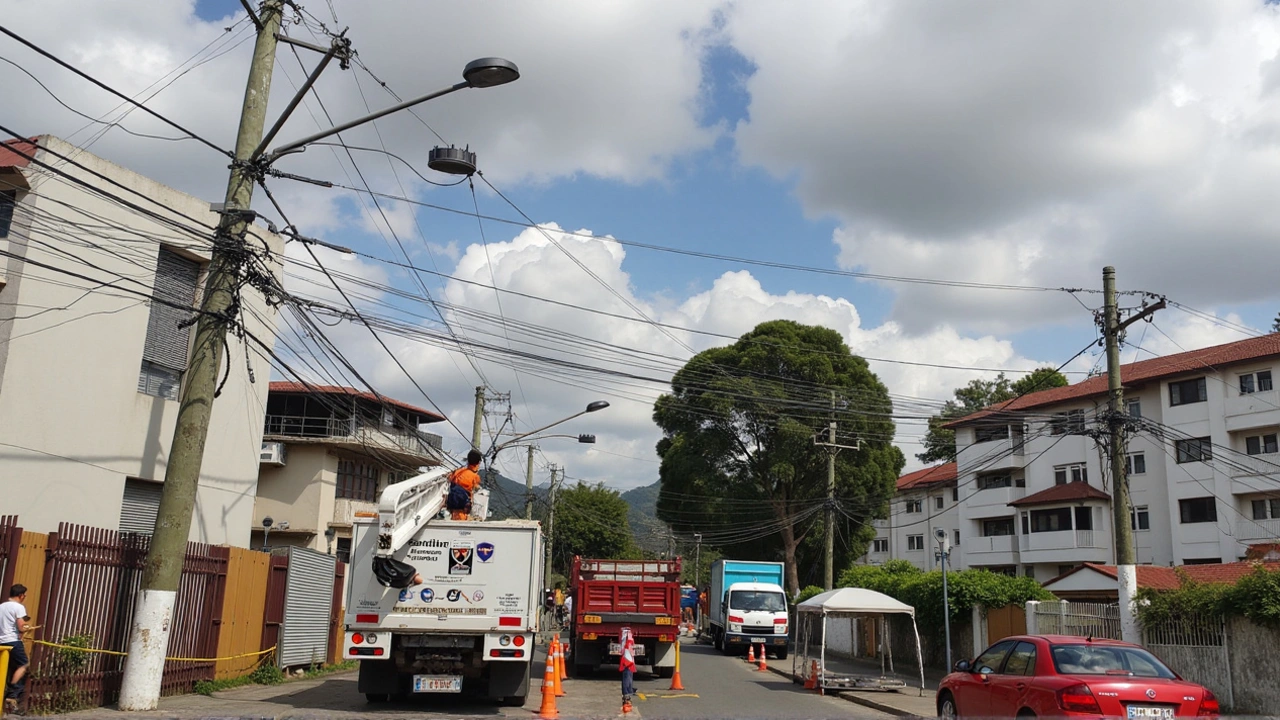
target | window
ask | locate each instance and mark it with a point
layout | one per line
(1135, 464)
(988, 482)
(1261, 508)
(344, 549)
(1064, 569)
(1187, 392)
(993, 658)
(1255, 382)
(986, 433)
(1202, 561)
(955, 494)
(1026, 524)
(164, 353)
(8, 199)
(914, 506)
(1134, 408)
(1107, 660)
(997, 527)
(1050, 520)
(1076, 472)
(915, 542)
(938, 502)
(1260, 444)
(1067, 423)
(1194, 450)
(357, 481)
(1084, 518)
(1022, 661)
(957, 542)
(881, 545)
(1029, 571)
(1198, 510)
(1140, 518)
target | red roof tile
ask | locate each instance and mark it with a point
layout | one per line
(1159, 577)
(11, 159)
(1062, 493)
(278, 386)
(1140, 372)
(928, 476)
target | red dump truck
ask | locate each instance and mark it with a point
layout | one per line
(609, 595)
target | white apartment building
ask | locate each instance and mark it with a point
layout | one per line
(90, 368)
(924, 503)
(1032, 488)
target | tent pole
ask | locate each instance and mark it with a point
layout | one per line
(919, 654)
(822, 687)
(888, 639)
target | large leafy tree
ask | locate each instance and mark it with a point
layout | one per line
(591, 521)
(940, 443)
(739, 462)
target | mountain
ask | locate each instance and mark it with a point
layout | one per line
(650, 533)
(508, 498)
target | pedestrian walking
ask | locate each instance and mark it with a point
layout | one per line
(13, 623)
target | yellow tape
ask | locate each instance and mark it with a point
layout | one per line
(174, 659)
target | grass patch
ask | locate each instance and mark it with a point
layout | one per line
(268, 674)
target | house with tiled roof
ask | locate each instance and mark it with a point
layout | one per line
(1203, 466)
(1092, 582)
(924, 502)
(327, 453)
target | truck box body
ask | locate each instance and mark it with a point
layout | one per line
(609, 595)
(760, 616)
(470, 623)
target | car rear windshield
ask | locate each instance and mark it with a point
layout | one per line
(750, 600)
(1107, 660)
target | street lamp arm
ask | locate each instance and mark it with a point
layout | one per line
(498, 448)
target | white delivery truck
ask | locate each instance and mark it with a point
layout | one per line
(748, 607)
(441, 606)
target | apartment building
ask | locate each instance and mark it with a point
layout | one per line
(327, 453)
(91, 367)
(925, 501)
(1033, 488)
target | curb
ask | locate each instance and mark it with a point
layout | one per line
(855, 699)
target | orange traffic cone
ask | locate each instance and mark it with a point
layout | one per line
(811, 682)
(556, 661)
(751, 654)
(548, 710)
(762, 667)
(562, 662)
(675, 677)
(626, 706)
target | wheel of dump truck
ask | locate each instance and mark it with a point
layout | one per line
(782, 654)
(666, 672)
(513, 701)
(582, 671)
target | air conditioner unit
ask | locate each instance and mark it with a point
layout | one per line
(272, 454)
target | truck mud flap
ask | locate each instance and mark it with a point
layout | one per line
(508, 679)
(378, 677)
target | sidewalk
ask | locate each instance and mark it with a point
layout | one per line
(907, 702)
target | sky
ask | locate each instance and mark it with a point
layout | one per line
(708, 165)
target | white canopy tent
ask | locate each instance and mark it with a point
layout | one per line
(852, 603)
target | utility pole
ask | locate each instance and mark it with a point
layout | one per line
(528, 487)
(162, 572)
(828, 561)
(551, 519)
(478, 422)
(1126, 562)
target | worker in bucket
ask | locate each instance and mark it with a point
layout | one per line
(463, 484)
(628, 666)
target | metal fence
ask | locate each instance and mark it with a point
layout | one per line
(10, 540)
(1100, 620)
(91, 578)
(1196, 647)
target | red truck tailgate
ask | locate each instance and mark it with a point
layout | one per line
(625, 591)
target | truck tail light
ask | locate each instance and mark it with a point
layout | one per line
(509, 621)
(367, 618)
(735, 618)
(779, 621)
(356, 638)
(518, 641)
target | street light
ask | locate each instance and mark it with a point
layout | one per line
(482, 73)
(528, 478)
(591, 407)
(943, 555)
(267, 522)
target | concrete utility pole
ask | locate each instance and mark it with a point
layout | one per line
(478, 422)
(828, 562)
(153, 613)
(551, 519)
(528, 487)
(1126, 562)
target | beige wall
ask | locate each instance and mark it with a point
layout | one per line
(74, 424)
(301, 492)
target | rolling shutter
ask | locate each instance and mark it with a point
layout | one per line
(141, 504)
(308, 597)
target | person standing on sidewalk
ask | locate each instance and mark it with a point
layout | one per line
(13, 623)
(627, 666)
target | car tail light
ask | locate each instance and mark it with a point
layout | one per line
(1078, 698)
(735, 618)
(356, 638)
(1208, 705)
(779, 621)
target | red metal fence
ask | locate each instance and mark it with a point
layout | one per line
(273, 614)
(91, 580)
(10, 541)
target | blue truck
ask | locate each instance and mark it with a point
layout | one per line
(748, 607)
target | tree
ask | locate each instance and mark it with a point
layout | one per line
(739, 463)
(940, 442)
(1275, 324)
(591, 521)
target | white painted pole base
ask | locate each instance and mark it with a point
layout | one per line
(1128, 588)
(148, 642)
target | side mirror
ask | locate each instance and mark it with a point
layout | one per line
(984, 670)
(962, 666)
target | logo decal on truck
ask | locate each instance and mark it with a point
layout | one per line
(406, 595)
(460, 558)
(428, 595)
(453, 595)
(484, 551)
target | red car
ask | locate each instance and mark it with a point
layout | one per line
(1066, 676)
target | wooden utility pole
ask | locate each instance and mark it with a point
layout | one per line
(833, 449)
(1126, 562)
(528, 487)
(153, 614)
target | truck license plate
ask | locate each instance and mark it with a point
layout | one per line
(616, 649)
(1150, 712)
(757, 640)
(437, 683)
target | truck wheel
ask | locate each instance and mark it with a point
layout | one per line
(666, 672)
(582, 671)
(717, 641)
(377, 698)
(513, 701)
(782, 654)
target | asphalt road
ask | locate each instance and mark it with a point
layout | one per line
(715, 687)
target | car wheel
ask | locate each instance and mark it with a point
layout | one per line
(1026, 714)
(947, 707)
(782, 654)
(377, 698)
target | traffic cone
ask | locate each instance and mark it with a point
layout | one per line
(762, 667)
(675, 677)
(811, 682)
(557, 661)
(562, 662)
(751, 654)
(548, 710)
(626, 706)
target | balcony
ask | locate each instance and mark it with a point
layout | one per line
(1065, 546)
(999, 497)
(991, 544)
(345, 509)
(1252, 410)
(409, 446)
(1257, 529)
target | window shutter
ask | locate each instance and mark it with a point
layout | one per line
(140, 507)
(166, 343)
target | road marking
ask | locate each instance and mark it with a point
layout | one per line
(643, 696)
